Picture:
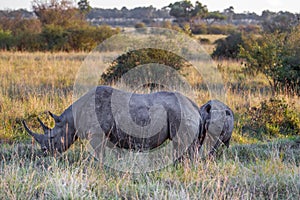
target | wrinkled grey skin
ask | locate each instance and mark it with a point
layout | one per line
(97, 114)
(218, 123)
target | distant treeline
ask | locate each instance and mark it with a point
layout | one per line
(135, 13)
(150, 14)
(64, 26)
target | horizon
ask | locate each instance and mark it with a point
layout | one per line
(255, 6)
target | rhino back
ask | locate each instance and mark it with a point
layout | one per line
(113, 107)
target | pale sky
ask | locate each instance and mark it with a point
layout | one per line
(239, 6)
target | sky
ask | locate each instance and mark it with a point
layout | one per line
(239, 6)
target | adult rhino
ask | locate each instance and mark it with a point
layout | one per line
(139, 122)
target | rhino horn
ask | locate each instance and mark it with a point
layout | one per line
(37, 137)
(45, 128)
(55, 117)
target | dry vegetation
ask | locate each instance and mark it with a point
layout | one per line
(32, 83)
(269, 171)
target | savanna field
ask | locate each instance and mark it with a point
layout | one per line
(262, 161)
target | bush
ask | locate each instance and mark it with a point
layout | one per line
(253, 29)
(88, 37)
(275, 55)
(54, 37)
(273, 118)
(199, 29)
(140, 25)
(28, 41)
(228, 47)
(134, 58)
(6, 40)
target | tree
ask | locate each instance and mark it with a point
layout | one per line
(263, 55)
(199, 11)
(229, 12)
(185, 12)
(290, 72)
(181, 10)
(275, 55)
(84, 6)
(58, 12)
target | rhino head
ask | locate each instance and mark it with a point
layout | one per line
(218, 123)
(57, 139)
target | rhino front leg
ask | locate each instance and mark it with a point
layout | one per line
(97, 142)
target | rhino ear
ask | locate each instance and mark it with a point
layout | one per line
(56, 118)
(37, 137)
(207, 108)
(227, 112)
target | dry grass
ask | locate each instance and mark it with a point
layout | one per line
(32, 83)
(267, 171)
(209, 48)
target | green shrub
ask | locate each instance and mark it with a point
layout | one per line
(6, 40)
(276, 56)
(134, 58)
(28, 41)
(254, 29)
(199, 29)
(140, 25)
(273, 118)
(55, 38)
(228, 47)
(88, 37)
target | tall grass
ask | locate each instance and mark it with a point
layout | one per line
(266, 171)
(32, 83)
